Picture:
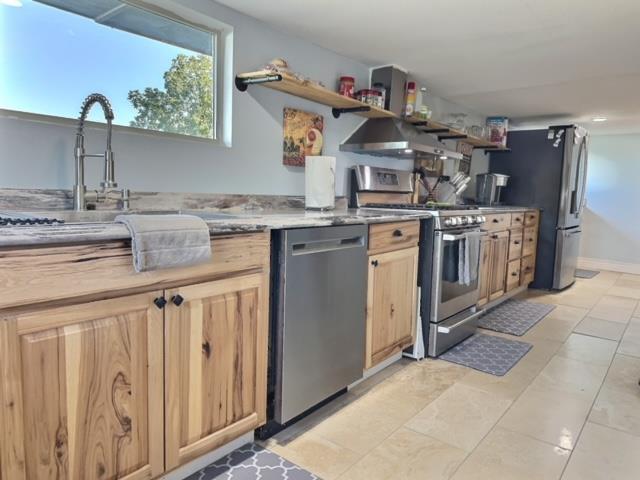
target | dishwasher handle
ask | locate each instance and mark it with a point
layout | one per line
(323, 246)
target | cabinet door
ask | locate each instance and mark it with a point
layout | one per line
(391, 304)
(81, 391)
(499, 259)
(485, 271)
(215, 344)
(513, 274)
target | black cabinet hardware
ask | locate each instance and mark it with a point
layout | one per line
(160, 302)
(177, 300)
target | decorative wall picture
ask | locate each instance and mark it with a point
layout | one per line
(302, 136)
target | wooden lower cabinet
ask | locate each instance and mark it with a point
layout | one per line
(508, 258)
(391, 304)
(498, 264)
(513, 274)
(127, 389)
(82, 391)
(528, 268)
(485, 270)
(215, 365)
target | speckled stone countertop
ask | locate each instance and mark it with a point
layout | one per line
(505, 209)
(220, 223)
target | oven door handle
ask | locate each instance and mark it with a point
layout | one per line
(452, 238)
(448, 328)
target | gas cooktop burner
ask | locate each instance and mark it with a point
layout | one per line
(420, 206)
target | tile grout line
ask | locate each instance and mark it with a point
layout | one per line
(504, 413)
(402, 425)
(595, 399)
(521, 393)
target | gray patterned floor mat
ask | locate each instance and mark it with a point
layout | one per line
(514, 317)
(252, 462)
(487, 353)
(580, 273)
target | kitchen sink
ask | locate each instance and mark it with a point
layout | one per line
(101, 216)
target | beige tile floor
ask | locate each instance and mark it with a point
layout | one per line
(570, 409)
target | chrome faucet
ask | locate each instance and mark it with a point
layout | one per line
(108, 185)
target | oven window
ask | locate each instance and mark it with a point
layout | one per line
(450, 288)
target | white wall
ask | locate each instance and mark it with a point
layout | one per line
(611, 228)
(35, 154)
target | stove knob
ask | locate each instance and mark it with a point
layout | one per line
(455, 221)
(448, 222)
(470, 219)
(464, 220)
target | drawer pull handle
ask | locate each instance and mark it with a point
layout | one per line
(374, 263)
(514, 274)
(397, 233)
(495, 236)
(516, 242)
(495, 220)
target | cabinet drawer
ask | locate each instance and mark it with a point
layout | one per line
(498, 221)
(513, 274)
(515, 243)
(528, 269)
(385, 237)
(529, 241)
(517, 219)
(532, 217)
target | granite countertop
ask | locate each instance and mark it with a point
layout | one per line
(232, 222)
(505, 209)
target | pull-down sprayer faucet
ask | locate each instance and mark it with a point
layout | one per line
(108, 184)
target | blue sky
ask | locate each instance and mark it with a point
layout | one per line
(50, 60)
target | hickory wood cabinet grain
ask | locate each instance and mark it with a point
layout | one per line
(214, 365)
(82, 391)
(89, 389)
(391, 297)
(498, 264)
(508, 258)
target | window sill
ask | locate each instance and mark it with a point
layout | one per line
(69, 122)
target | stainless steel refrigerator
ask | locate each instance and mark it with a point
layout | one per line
(548, 170)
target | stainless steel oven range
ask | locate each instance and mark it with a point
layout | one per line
(452, 303)
(448, 289)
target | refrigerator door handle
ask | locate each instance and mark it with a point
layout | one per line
(578, 191)
(585, 166)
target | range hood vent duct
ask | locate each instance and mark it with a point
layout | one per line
(389, 137)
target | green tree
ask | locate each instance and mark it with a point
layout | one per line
(185, 105)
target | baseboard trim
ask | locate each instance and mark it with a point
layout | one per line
(611, 265)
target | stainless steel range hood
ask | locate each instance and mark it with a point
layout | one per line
(389, 137)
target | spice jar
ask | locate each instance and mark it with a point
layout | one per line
(379, 87)
(347, 86)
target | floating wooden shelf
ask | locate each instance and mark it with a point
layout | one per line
(445, 132)
(340, 104)
(311, 91)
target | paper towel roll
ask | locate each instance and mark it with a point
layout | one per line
(320, 182)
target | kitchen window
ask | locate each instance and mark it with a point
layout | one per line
(159, 73)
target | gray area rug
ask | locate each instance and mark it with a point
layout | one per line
(487, 353)
(252, 462)
(514, 317)
(580, 273)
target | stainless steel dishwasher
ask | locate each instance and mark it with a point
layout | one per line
(320, 303)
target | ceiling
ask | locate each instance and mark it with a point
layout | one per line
(536, 61)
